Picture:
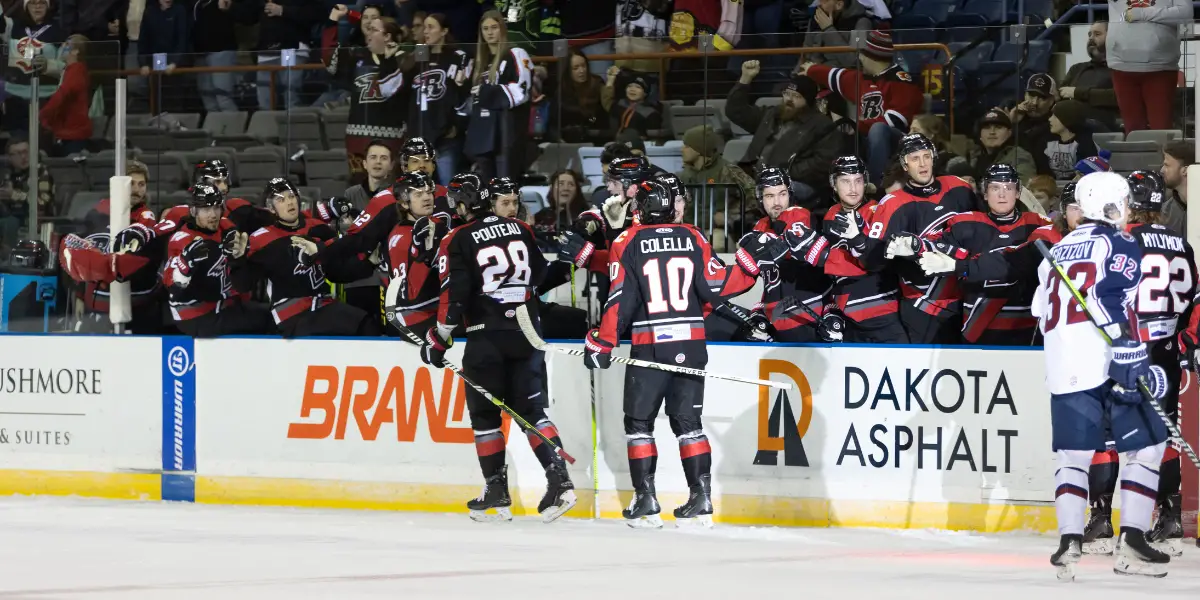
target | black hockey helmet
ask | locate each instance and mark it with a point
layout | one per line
(209, 169)
(502, 186)
(466, 189)
(846, 165)
(915, 142)
(29, 254)
(629, 170)
(418, 147)
(1000, 173)
(205, 194)
(278, 187)
(1067, 197)
(1147, 191)
(654, 203)
(673, 184)
(412, 180)
(770, 177)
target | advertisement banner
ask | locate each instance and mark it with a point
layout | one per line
(276, 418)
(80, 403)
(178, 419)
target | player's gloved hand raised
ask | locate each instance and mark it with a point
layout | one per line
(587, 225)
(807, 245)
(1156, 384)
(575, 249)
(234, 243)
(334, 208)
(936, 263)
(849, 226)
(758, 250)
(131, 239)
(427, 235)
(1130, 362)
(307, 249)
(437, 341)
(614, 211)
(597, 353)
(904, 244)
(197, 251)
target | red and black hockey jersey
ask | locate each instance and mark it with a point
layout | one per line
(487, 268)
(791, 278)
(378, 105)
(436, 100)
(203, 285)
(1168, 280)
(97, 268)
(500, 111)
(890, 97)
(859, 294)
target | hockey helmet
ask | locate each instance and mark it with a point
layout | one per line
(629, 170)
(654, 203)
(417, 147)
(1103, 197)
(210, 169)
(770, 177)
(916, 142)
(29, 254)
(502, 186)
(467, 190)
(1146, 190)
(1000, 173)
(412, 181)
(846, 165)
(673, 184)
(205, 194)
(278, 187)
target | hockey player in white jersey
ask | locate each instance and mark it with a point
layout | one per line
(1091, 381)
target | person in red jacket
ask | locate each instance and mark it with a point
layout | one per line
(65, 114)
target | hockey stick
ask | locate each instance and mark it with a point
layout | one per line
(572, 285)
(1146, 395)
(535, 340)
(392, 315)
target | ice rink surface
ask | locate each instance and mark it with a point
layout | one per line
(74, 548)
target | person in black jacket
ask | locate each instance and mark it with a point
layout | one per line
(214, 42)
(283, 25)
(499, 123)
(439, 89)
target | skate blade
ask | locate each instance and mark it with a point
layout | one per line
(1065, 573)
(565, 502)
(700, 522)
(1131, 566)
(646, 522)
(503, 513)
(1172, 547)
(1102, 546)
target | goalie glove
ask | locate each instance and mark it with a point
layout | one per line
(132, 238)
(597, 353)
(575, 249)
(334, 208)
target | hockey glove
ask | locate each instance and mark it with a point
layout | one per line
(1156, 384)
(936, 263)
(614, 211)
(807, 245)
(132, 238)
(902, 245)
(307, 249)
(849, 226)
(332, 209)
(597, 353)
(758, 250)
(437, 341)
(427, 235)
(575, 249)
(832, 326)
(234, 243)
(1130, 361)
(587, 225)
(759, 329)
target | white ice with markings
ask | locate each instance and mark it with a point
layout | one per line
(76, 548)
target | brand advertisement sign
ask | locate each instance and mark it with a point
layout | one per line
(80, 403)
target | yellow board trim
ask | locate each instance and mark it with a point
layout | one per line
(114, 486)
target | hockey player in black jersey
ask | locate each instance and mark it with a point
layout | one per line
(658, 270)
(488, 267)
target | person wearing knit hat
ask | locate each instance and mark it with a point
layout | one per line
(1072, 140)
(635, 110)
(699, 143)
(879, 47)
(703, 163)
(1093, 164)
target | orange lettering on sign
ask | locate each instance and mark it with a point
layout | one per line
(393, 402)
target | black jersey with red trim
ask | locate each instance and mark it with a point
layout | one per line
(1168, 283)
(920, 211)
(487, 268)
(990, 302)
(791, 278)
(205, 286)
(378, 98)
(858, 293)
(660, 284)
(890, 97)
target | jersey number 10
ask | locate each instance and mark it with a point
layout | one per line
(1058, 294)
(679, 272)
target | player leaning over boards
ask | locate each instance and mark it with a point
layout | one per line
(1091, 383)
(487, 268)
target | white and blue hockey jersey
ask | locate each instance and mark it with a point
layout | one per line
(1104, 264)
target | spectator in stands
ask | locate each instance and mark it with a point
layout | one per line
(215, 43)
(962, 170)
(1143, 53)
(1073, 139)
(14, 192)
(498, 130)
(579, 100)
(1045, 192)
(998, 147)
(65, 114)
(1091, 82)
(634, 110)
(703, 164)
(934, 128)
(417, 30)
(1177, 157)
(1032, 118)
(612, 151)
(793, 136)
(283, 25)
(378, 164)
(440, 87)
(566, 204)
(832, 25)
(30, 30)
(165, 30)
(834, 107)
(97, 20)
(1093, 164)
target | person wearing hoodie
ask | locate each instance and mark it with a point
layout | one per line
(833, 24)
(998, 147)
(214, 40)
(283, 25)
(65, 114)
(1073, 139)
(703, 164)
(1143, 53)
(30, 29)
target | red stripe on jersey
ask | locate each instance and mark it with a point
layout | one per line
(297, 306)
(189, 312)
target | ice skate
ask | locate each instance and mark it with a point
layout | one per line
(643, 511)
(698, 510)
(560, 493)
(1069, 552)
(1135, 556)
(494, 496)
(1167, 533)
(1098, 535)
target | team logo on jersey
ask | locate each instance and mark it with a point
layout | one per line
(663, 230)
(491, 219)
(432, 84)
(779, 429)
(679, 358)
(369, 91)
(510, 313)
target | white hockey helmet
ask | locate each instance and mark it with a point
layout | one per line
(1104, 197)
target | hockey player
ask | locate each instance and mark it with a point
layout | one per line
(1091, 383)
(659, 289)
(203, 297)
(505, 197)
(281, 253)
(1163, 296)
(487, 268)
(419, 155)
(996, 309)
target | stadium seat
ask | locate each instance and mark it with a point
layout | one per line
(985, 12)
(100, 127)
(683, 118)
(83, 202)
(1104, 140)
(225, 123)
(1158, 136)
(250, 194)
(301, 128)
(735, 150)
(1035, 11)
(914, 29)
(168, 171)
(259, 165)
(558, 156)
(67, 170)
(327, 170)
(589, 160)
(970, 60)
(264, 125)
(192, 139)
(668, 158)
(149, 139)
(534, 198)
(99, 167)
(937, 10)
(334, 122)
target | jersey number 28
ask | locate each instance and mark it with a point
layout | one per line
(510, 264)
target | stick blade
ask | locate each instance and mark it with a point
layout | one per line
(525, 322)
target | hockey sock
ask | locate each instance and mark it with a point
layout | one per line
(1102, 475)
(1139, 486)
(643, 458)
(1168, 475)
(544, 453)
(489, 445)
(696, 455)
(1071, 490)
